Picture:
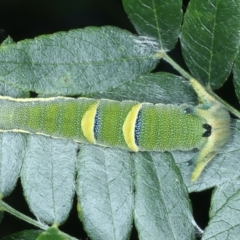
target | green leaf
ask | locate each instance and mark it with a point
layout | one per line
(80, 61)
(160, 20)
(11, 157)
(162, 207)
(24, 235)
(224, 212)
(224, 166)
(7, 41)
(210, 39)
(154, 88)
(7, 90)
(48, 177)
(12, 147)
(236, 75)
(52, 234)
(105, 192)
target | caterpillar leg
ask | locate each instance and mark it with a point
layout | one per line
(204, 157)
(217, 127)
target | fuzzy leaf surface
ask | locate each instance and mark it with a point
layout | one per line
(225, 212)
(76, 62)
(11, 157)
(236, 75)
(105, 192)
(159, 20)
(207, 27)
(162, 207)
(153, 88)
(48, 177)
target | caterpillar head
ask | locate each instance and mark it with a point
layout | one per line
(218, 127)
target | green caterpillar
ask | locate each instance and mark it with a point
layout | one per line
(128, 124)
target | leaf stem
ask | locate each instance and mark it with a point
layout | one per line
(7, 208)
(176, 66)
(188, 76)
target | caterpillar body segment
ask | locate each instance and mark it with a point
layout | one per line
(128, 124)
(131, 127)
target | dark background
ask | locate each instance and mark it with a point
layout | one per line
(23, 19)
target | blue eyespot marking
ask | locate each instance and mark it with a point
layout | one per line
(96, 124)
(188, 110)
(137, 128)
(189, 162)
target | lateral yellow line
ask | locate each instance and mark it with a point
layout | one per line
(37, 99)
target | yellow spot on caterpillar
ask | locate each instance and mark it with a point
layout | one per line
(129, 127)
(87, 123)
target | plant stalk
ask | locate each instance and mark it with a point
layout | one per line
(7, 208)
(188, 76)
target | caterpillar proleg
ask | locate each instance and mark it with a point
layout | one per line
(129, 125)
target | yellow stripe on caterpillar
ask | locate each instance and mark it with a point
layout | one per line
(88, 121)
(129, 127)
